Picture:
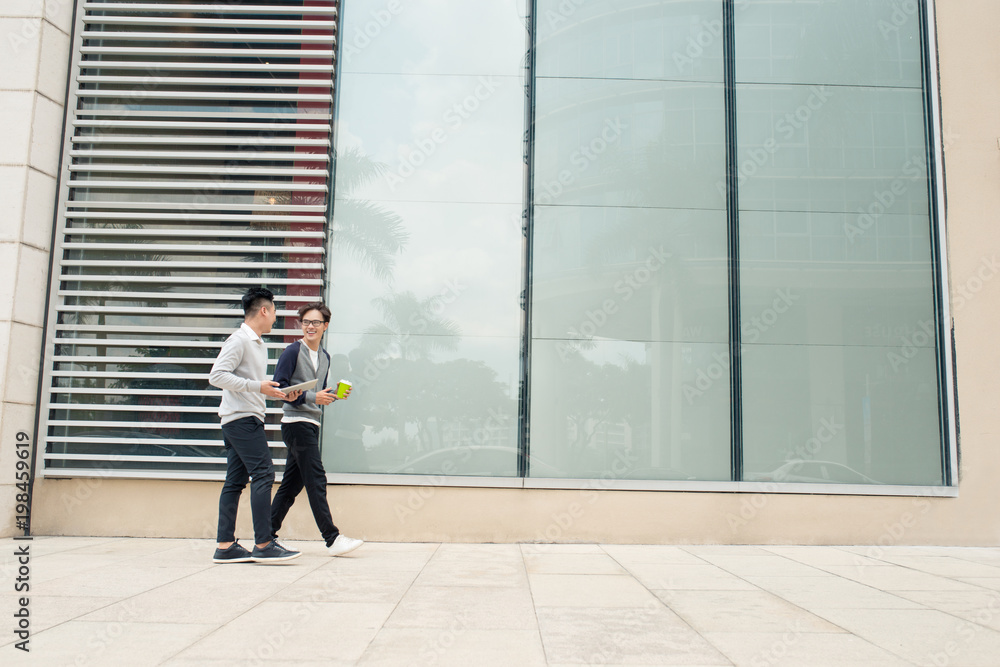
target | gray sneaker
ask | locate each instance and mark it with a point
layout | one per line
(273, 553)
(234, 554)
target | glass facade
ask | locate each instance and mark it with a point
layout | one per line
(685, 241)
(726, 212)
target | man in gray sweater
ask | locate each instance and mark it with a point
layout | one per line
(241, 372)
(302, 361)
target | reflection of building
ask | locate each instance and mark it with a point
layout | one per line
(646, 330)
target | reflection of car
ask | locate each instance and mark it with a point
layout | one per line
(799, 470)
(656, 474)
(490, 460)
(473, 460)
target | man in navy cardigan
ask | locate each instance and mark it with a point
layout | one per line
(302, 361)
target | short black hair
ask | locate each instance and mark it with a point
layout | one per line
(255, 298)
(316, 305)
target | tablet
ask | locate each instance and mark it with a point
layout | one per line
(302, 386)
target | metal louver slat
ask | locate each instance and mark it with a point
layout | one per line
(196, 164)
(219, 53)
(196, 66)
(194, 185)
(163, 330)
(188, 206)
(213, 95)
(195, 140)
(176, 81)
(157, 169)
(192, 248)
(266, 24)
(192, 233)
(189, 280)
(232, 113)
(170, 125)
(206, 37)
(145, 342)
(209, 8)
(200, 155)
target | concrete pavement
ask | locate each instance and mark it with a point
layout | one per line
(129, 601)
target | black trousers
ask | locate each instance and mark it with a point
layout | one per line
(303, 468)
(248, 457)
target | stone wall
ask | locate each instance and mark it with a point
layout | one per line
(34, 50)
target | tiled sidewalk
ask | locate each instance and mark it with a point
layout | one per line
(108, 601)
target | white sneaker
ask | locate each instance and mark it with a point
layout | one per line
(344, 544)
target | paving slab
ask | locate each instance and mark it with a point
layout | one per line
(138, 601)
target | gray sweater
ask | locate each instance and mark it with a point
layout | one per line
(238, 371)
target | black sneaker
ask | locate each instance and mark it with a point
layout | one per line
(234, 554)
(273, 553)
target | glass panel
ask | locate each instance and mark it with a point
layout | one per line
(629, 410)
(605, 142)
(427, 249)
(458, 262)
(638, 274)
(431, 138)
(424, 405)
(834, 149)
(424, 37)
(851, 42)
(865, 415)
(801, 279)
(629, 355)
(680, 40)
(838, 322)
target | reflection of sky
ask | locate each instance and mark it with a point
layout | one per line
(442, 138)
(442, 106)
(434, 37)
(468, 254)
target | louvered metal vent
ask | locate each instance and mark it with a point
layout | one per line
(196, 164)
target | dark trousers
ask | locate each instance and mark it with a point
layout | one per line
(303, 468)
(248, 457)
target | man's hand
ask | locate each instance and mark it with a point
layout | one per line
(326, 397)
(292, 395)
(270, 388)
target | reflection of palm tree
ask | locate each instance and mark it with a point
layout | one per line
(410, 324)
(362, 229)
(409, 334)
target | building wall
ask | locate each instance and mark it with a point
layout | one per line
(34, 50)
(968, 57)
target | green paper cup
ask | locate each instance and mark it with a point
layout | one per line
(342, 388)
